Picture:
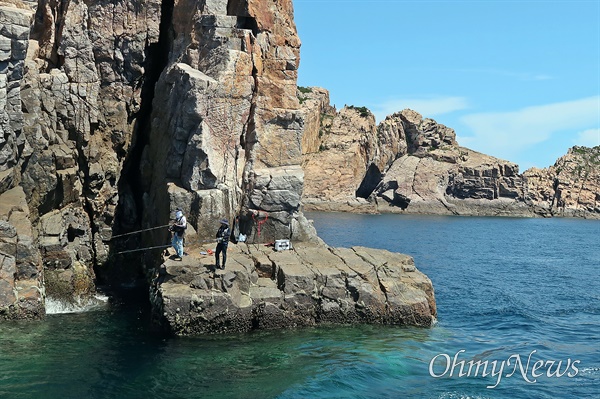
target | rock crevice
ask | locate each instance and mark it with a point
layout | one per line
(307, 286)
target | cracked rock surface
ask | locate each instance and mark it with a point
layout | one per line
(411, 164)
(306, 286)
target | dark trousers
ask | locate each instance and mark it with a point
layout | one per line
(221, 248)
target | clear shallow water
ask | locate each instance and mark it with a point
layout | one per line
(503, 287)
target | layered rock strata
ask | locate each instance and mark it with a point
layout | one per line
(21, 277)
(411, 164)
(225, 139)
(309, 285)
(71, 81)
(571, 187)
(114, 114)
(14, 35)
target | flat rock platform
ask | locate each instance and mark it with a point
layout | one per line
(310, 284)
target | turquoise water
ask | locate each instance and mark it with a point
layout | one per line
(503, 286)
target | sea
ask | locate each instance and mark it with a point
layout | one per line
(518, 305)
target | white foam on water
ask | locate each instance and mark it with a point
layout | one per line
(458, 395)
(589, 372)
(80, 305)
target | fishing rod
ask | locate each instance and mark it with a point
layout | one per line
(160, 246)
(143, 249)
(140, 231)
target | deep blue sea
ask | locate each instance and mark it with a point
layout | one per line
(518, 296)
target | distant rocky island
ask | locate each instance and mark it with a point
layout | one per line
(113, 115)
(411, 164)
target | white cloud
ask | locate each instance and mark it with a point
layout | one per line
(524, 76)
(507, 133)
(588, 138)
(428, 107)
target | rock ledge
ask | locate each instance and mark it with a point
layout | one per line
(309, 285)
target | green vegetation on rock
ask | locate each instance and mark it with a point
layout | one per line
(363, 111)
(304, 90)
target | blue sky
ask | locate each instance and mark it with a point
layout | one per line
(519, 80)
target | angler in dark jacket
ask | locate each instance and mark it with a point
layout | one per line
(222, 241)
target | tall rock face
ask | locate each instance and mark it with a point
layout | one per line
(21, 277)
(571, 187)
(113, 114)
(14, 34)
(344, 145)
(315, 106)
(412, 164)
(344, 152)
(81, 88)
(226, 131)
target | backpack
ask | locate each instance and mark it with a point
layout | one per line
(179, 229)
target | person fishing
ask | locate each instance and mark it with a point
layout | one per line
(222, 241)
(178, 229)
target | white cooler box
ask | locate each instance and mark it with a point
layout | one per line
(282, 245)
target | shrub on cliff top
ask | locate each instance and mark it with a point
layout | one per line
(363, 111)
(304, 90)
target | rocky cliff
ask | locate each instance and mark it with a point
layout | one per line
(225, 132)
(309, 285)
(571, 187)
(114, 114)
(72, 82)
(411, 164)
(21, 275)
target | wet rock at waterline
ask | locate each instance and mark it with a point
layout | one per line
(412, 164)
(312, 284)
(21, 281)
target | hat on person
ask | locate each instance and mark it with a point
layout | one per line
(224, 221)
(178, 214)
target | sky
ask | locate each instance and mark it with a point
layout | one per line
(518, 80)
